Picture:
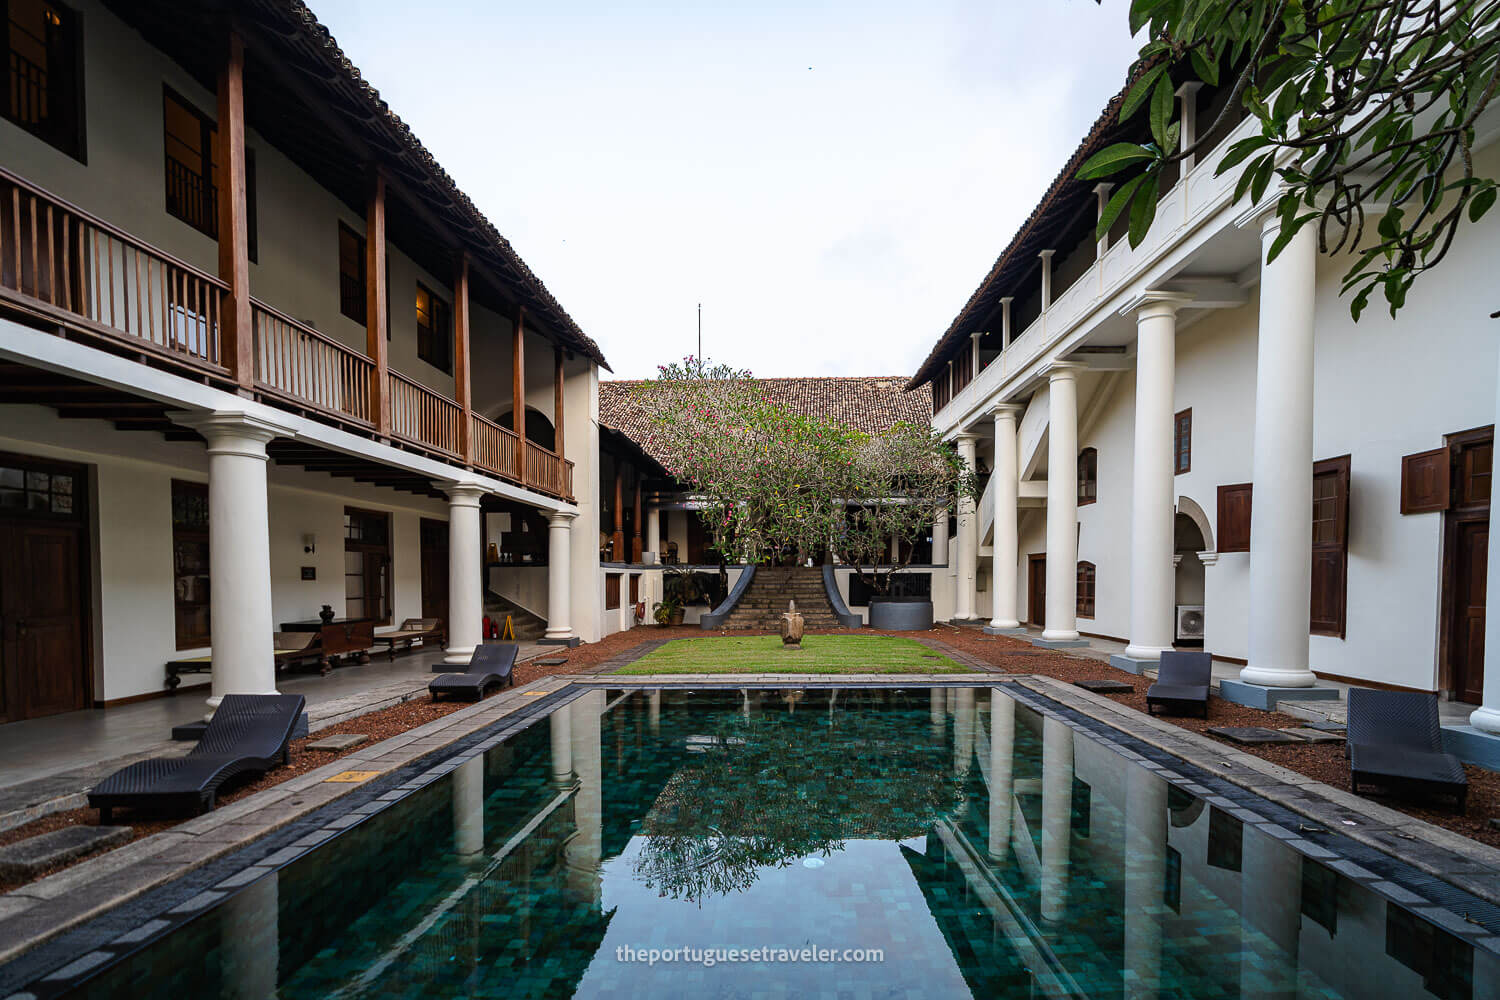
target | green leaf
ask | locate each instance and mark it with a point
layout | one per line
(1143, 208)
(1141, 90)
(1258, 183)
(1174, 134)
(1112, 159)
(1480, 203)
(1141, 11)
(1162, 102)
(1239, 151)
(1207, 69)
(1288, 230)
(1116, 205)
(1358, 305)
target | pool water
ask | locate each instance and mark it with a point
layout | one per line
(923, 843)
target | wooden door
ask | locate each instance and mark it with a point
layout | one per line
(435, 569)
(44, 650)
(1467, 630)
(1036, 591)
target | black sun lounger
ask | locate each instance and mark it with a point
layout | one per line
(1395, 739)
(1182, 679)
(490, 666)
(248, 733)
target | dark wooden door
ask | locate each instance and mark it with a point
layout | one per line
(435, 569)
(1036, 591)
(1467, 630)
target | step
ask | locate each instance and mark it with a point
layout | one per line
(26, 859)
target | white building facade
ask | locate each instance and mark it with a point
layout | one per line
(1189, 446)
(258, 355)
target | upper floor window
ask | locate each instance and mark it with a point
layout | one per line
(1088, 475)
(1085, 590)
(192, 161)
(351, 274)
(434, 330)
(43, 83)
(1182, 442)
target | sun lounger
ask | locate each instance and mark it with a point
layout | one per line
(1182, 679)
(1395, 740)
(249, 733)
(413, 629)
(490, 666)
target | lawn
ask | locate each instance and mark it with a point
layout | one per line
(820, 654)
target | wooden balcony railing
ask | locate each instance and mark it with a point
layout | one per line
(59, 260)
(494, 447)
(308, 368)
(547, 471)
(424, 417)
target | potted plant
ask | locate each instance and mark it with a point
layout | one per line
(669, 611)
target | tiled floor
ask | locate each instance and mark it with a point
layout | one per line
(38, 748)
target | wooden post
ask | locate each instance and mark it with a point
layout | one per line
(376, 320)
(236, 346)
(518, 390)
(636, 544)
(619, 536)
(461, 357)
(557, 402)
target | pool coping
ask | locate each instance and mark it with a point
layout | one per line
(36, 914)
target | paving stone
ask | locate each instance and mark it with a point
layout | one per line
(1252, 735)
(82, 965)
(339, 741)
(1312, 735)
(551, 661)
(26, 859)
(1105, 687)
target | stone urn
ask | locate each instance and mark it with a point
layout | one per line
(791, 627)
(326, 614)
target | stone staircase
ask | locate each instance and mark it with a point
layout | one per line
(764, 601)
(528, 627)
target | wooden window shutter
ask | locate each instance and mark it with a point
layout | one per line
(1330, 547)
(1425, 481)
(1234, 518)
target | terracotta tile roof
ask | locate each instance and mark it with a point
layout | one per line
(870, 403)
(1058, 210)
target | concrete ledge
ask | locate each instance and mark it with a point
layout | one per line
(1131, 665)
(1265, 698)
(1004, 631)
(1059, 643)
(570, 642)
(1473, 746)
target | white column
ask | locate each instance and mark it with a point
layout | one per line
(964, 715)
(653, 533)
(560, 729)
(974, 337)
(239, 547)
(1046, 256)
(1144, 857)
(940, 539)
(467, 785)
(1281, 500)
(559, 527)
(1062, 503)
(1101, 194)
(465, 572)
(1002, 765)
(1004, 484)
(1152, 583)
(582, 851)
(1005, 330)
(965, 599)
(1487, 716)
(1057, 816)
(937, 708)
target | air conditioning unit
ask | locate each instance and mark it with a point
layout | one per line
(1190, 621)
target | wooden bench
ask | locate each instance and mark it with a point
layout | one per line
(413, 629)
(289, 648)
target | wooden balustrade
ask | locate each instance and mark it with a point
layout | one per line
(494, 447)
(547, 471)
(424, 417)
(59, 259)
(309, 368)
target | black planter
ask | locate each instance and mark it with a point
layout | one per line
(901, 614)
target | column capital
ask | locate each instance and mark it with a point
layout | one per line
(1262, 215)
(966, 437)
(560, 518)
(1045, 254)
(464, 492)
(1208, 558)
(1006, 300)
(235, 432)
(1103, 188)
(1063, 371)
(1155, 302)
(1013, 410)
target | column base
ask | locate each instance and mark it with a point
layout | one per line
(1486, 720)
(459, 655)
(1146, 652)
(1279, 677)
(1133, 664)
(1473, 745)
(967, 621)
(1004, 628)
(1265, 697)
(560, 640)
(1078, 642)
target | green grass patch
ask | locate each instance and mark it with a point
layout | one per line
(820, 654)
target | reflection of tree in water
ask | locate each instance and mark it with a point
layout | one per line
(768, 790)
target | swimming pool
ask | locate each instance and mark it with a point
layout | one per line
(943, 841)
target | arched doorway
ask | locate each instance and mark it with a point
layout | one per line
(1188, 541)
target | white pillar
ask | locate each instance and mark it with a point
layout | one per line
(465, 572)
(1046, 256)
(467, 785)
(1062, 503)
(560, 729)
(964, 716)
(1057, 816)
(1281, 500)
(1004, 484)
(1144, 857)
(583, 850)
(1005, 330)
(965, 599)
(974, 337)
(940, 539)
(1152, 583)
(239, 547)
(653, 533)
(937, 708)
(559, 527)
(1101, 194)
(1002, 765)
(1487, 717)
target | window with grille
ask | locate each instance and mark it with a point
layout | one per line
(434, 330)
(351, 274)
(43, 80)
(192, 169)
(367, 565)
(190, 560)
(1088, 476)
(1182, 442)
(1330, 546)
(1085, 590)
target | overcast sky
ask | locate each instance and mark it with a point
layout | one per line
(831, 180)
